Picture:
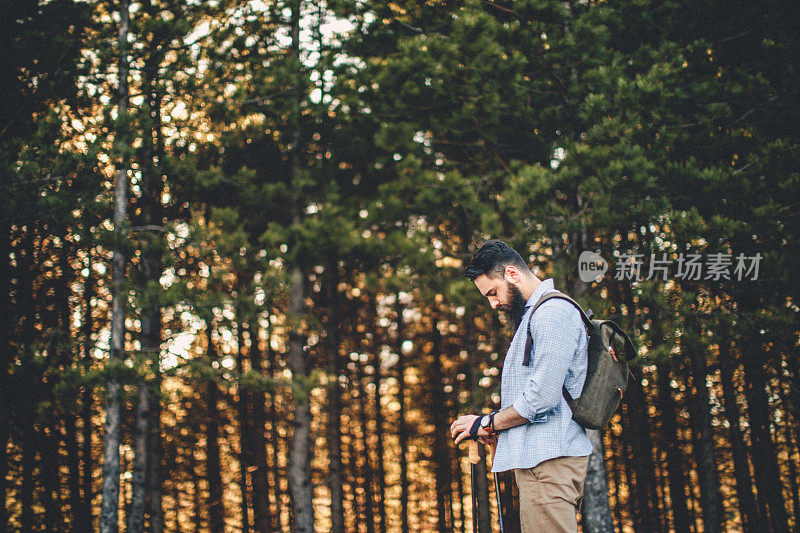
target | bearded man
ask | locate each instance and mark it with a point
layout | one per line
(535, 434)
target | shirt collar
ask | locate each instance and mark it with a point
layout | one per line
(543, 288)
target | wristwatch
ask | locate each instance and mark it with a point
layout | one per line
(487, 422)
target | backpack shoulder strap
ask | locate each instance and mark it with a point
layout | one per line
(526, 360)
(562, 296)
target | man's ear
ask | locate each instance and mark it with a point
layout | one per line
(511, 274)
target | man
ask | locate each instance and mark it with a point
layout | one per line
(548, 451)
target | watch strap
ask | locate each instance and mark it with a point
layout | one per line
(473, 431)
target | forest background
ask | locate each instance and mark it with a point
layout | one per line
(234, 232)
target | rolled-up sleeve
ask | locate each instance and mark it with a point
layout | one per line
(556, 331)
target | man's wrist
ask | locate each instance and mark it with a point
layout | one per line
(491, 422)
(508, 418)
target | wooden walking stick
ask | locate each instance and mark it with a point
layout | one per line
(497, 491)
(474, 459)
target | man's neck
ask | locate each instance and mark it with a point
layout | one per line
(528, 285)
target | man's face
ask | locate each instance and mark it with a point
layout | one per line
(503, 295)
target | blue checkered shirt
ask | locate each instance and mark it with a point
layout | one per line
(558, 357)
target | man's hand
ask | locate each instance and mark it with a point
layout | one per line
(491, 440)
(459, 430)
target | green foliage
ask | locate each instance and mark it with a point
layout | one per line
(374, 165)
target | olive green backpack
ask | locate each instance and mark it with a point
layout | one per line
(610, 350)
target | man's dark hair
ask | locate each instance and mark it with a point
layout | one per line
(492, 258)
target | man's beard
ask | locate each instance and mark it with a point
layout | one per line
(515, 310)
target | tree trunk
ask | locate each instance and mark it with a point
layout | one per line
(299, 453)
(661, 494)
(140, 460)
(153, 268)
(595, 509)
(243, 405)
(154, 471)
(751, 518)
(619, 456)
(335, 480)
(379, 450)
(49, 466)
(350, 477)
(462, 528)
(216, 505)
(793, 362)
(793, 430)
(146, 472)
(27, 383)
(244, 402)
(365, 462)
(482, 492)
(693, 508)
(402, 430)
(255, 437)
(440, 456)
(643, 489)
(403, 441)
(700, 416)
(765, 460)
(790, 454)
(194, 469)
(79, 511)
(87, 326)
(642, 447)
(176, 506)
(274, 442)
(4, 435)
(632, 506)
(481, 483)
(675, 462)
(244, 462)
(333, 338)
(146, 483)
(111, 464)
(5, 361)
(262, 512)
(28, 464)
(299, 466)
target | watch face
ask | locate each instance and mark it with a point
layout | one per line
(485, 421)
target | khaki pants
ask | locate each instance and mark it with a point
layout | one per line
(550, 494)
